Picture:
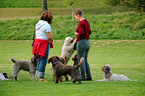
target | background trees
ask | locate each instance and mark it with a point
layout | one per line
(139, 4)
(44, 5)
(70, 3)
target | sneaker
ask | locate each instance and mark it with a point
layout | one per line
(88, 79)
(83, 79)
(42, 80)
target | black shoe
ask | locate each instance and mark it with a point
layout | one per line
(83, 79)
(88, 79)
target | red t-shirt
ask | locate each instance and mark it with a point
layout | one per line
(83, 30)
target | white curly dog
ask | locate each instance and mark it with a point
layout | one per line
(109, 76)
(68, 48)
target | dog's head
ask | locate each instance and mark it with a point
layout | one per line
(75, 59)
(68, 41)
(34, 59)
(106, 68)
(5, 75)
(62, 60)
(54, 59)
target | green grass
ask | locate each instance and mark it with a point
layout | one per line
(18, 9)
(50, 3)
(18, 19)
(125, 56)
(116, 26)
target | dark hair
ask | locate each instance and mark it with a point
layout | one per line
(78, 11)
(47, 16)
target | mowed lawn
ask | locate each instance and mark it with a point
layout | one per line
(125, 56)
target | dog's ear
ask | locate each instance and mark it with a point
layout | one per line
(67, 41)
(62, 60)
(5, 75)
(49, 60)
(103, 67)
(34, 59)
(109, 67)
(58, 58)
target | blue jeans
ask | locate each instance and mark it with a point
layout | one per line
(41, 64)
(83, 47)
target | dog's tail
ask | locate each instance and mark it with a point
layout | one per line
(81, 61)
(13, 60)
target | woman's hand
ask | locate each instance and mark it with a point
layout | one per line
(76, 34)
(50, 38)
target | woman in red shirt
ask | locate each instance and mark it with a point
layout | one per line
(83, 45)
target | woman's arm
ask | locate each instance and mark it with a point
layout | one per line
(49, 36)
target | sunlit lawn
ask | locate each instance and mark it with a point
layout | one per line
(125, 56)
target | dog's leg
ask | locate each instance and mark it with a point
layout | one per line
(15, 74)
(16, 77)
(79, 81)
(61, 79)
(57, 79)
(74, 81)
(32, 76)
(35, 76)
(66, 77)
(12, 77)
(53, 77)
(72, 46)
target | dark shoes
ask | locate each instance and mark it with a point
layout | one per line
(87, 79)
(83, 79)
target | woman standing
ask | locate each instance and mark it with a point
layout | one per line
(42, 42)
(83, 45)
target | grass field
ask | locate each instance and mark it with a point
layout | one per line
(20, 9)
(18, 19)
(117, 26)
(125, 56)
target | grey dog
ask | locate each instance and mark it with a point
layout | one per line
(26, 65)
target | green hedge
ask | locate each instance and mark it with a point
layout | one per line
(116, 26)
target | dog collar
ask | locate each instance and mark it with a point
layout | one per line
(55, 62)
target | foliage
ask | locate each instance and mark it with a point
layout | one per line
(116, 26)
(20, 3)
(125, 57)
(139, 4)
(113, 2)
(70, 3)
(16, 9)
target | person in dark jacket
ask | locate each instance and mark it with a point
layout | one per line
(83, 32)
